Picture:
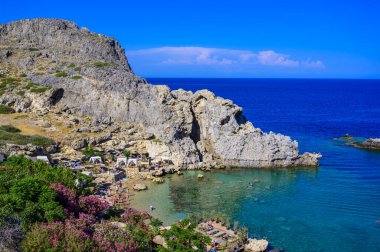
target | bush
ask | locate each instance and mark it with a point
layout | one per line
(23, 75)
(31, 85)
(41, 141)
(61, 74)
(6, 110)
(76, 77)
(32, 49)
(182, 237)
(78, 69)
(10, 129)
(102, 64)
(38, 90)
(89, 152)
(21, 93)
(29, 190)
(10, 134)
(72, 65)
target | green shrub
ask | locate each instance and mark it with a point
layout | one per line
(21, 93)
(61, 74)
(6, 110)
(76, 77)
(101, 64)
(72, 65)
(78, 69)
(39, 90)
(25, 192)
(90, 152)
(157, 140)
(10, 128)
(32, 49)
(31, 85)
(23, 75)
(10, 134)
(41, 141)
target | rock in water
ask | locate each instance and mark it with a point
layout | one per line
(255, 245)
(139, 187)
(370, 143)
(192, 127)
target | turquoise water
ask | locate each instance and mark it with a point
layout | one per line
(332, 208)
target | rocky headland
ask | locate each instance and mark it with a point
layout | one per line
(54, 71)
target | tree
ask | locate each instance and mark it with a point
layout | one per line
(182, 237)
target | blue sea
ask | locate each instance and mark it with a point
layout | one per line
(331, 208)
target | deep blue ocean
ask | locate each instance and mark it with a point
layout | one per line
(332, 208)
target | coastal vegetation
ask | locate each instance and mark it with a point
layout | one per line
(6, 110)
(101, 64)
(49, 208)
(61, 74)
(11, 134)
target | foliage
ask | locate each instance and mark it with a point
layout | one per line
(86, 233)
(10, 134)
(10, 128)
(72, 65)
(38, 90)
(32, 49)
(76, 77)
(78, 69)
(25, 191)
(61, 74)
(182, 237)
(101, 64)
(31, 85)
(90, 152)
(21, 93)
(127, 153)
(6, 110)
(157, 140)
(23, 75)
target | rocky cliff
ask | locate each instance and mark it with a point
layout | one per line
(89, 74)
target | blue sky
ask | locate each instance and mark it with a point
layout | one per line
(271, 38)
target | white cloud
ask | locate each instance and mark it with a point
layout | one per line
(204, 56)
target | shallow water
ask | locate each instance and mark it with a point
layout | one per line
(332, 208)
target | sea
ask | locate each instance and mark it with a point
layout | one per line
(335, 207)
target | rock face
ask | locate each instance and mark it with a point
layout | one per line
(190, 127)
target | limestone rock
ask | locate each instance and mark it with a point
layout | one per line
(255, 245)
(79, 144)
(158, 180)
(139, 187)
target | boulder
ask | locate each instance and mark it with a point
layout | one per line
(158, 180)
(79, 144)
(255, 245)
(139, 187)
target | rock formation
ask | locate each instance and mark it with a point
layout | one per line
(89, 74)
(370, 143)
